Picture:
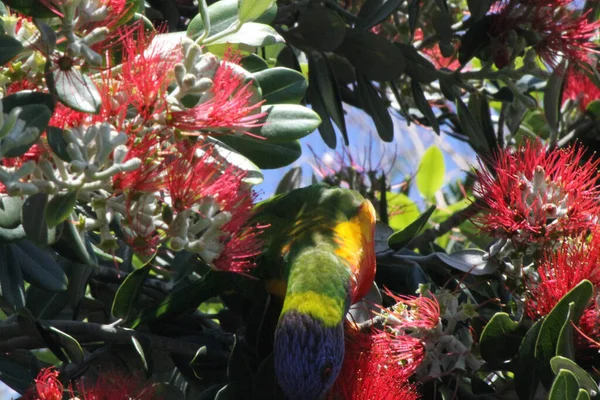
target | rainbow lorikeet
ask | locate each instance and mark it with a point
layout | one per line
(319, 257)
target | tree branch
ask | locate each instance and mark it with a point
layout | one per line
(452, 222)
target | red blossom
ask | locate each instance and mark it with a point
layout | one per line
(114, 386)
(537, 195)
(47, 386)
(579, 87)
(377, 366)
(552, 27)
(412, 312)
(150, 176)
(229, 110)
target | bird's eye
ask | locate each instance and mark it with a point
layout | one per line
(326, 371)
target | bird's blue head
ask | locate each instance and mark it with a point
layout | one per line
(308, 355)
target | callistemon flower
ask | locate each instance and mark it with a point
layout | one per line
(377, 366)
(538, 196)
(414, 312)
(553, 28)
(47, 386)
(201, 186)
(229, 106)
(579, 87)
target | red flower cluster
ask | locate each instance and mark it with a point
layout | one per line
(377, 366)
(110, 386)
(553, 27)
(579, 87)
(537, 196)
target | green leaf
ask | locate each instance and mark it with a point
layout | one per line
(402, 238)
(129, 292)
(290, 181)
(33, 217)
(402, 209)
(583, 395)
(253, 63)
(423, 105)
(431, 172)
(143, 348)
(250, 10)
(372, 55)
(480, 110)
(68, 345)
(77, 91)
(264, 153)
(554, 323)
(376, 108)
(34, 116)
(309, 32)
(11, 279)
(281, 85)
(326, 129)
(222, 15)
(32, 8)
(39, 268)
(478, 8)
(584, 380)
(325, 93)
(10, 211)
(163, 390)
(553, 97)
(565, 386)
(252, 34)
(471, 128)
(60, 207)
(286, 123)
(16, 375)
(417, 66)
(373, 12)
(57, 142)
(27, 97)
(527, 378)
(500, 339)
(9, 48)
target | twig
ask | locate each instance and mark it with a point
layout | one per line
(452, 222)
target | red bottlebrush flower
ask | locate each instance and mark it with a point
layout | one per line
(538, 196)
(145, 71)
(377, 366)
(561, 270)
(65, 117)
(579, 87)
(47, 386)
(114, 386)
(550, 26)
(230, 108)
(150, 176)
(411, 312)
(435, 54)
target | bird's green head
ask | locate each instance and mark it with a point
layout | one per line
(308, 355)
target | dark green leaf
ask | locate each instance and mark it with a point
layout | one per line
(57, 143)
(500, 339)
(565, 386)
(471, 129)
(15, 375)
(417, 66)
(9, 48)
(238, 368)
(372, 55)
(414, 9)
(583, 395)
(373, 12)
(163, 390)
(290, 181)
(281, 85)
(64, 346)
(402, 238)
(375, 107)
(39, 268)
(77, 91)
(585, 381)
(478, 8)
(527, 378)
(10, 211)
(11, 279)
(43, 304)
(253, 63)
(423, 105)
(553, 97)
(232, 391)
(129, 292)
(475, 39)
(143, 347)
(32, 8)
(326, 129)
(310, 32)
(60, 207)
(34, 219)
(554, 323)
(27, 97)
(34, 116)
(326, 88)
(264, 153)
(286, 123)
(480, 110)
